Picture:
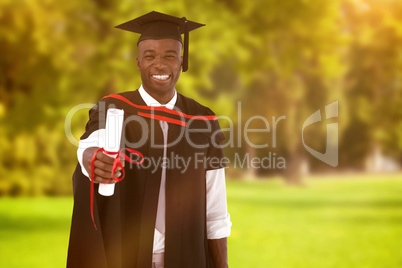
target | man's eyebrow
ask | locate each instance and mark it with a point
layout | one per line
(171, 51)
(167, 51)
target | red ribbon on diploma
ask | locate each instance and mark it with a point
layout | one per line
(116, 164)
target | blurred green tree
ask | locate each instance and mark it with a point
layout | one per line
(52, 52)
(278, 58)
(292, 68)
(373, 81)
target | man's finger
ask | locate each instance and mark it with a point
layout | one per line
(105, 158)
(118, 168)
(104, 166)
(102, 173)
(118, 174)
(107, 174)
(103, 180)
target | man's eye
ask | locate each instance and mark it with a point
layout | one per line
(148, 56)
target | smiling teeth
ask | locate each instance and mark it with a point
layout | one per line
(160, 77)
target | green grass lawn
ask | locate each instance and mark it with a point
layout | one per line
(34, 232)
(347, 222)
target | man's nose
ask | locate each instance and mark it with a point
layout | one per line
(159, 62)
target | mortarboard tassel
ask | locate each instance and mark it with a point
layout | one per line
(186, 41)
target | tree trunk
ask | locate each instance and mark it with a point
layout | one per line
(297, 168)
(250, 173)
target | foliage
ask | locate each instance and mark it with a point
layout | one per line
(373, 81)
(276, 57)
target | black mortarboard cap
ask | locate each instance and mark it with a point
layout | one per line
(155, 25)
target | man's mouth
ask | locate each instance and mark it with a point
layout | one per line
(160, 77)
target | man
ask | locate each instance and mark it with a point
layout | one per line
(169, 213)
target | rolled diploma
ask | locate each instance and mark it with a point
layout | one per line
(113, 129)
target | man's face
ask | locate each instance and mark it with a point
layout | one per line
(160, 63)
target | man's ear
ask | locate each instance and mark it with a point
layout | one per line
(181, 62)
(138, 63)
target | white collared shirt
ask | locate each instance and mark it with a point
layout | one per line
(218, 219)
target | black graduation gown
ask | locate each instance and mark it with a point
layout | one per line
(126, 220)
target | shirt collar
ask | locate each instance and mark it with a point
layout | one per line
(149, 101)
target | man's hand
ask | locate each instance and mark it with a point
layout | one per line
(219, 252)
(103, 165)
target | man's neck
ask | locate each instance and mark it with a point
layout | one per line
(163, 98)
(151, 101)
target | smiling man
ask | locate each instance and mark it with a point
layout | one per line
(160, 62)
(161, 214)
